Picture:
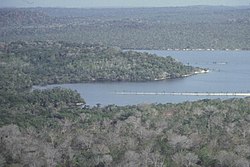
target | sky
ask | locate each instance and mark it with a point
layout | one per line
(118, 3)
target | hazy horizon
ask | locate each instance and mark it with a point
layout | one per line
(118, 3)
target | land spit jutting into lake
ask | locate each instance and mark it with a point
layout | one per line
(186, 93)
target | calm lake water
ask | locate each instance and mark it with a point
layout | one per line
(229, 72)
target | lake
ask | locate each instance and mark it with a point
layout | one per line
(229, 72)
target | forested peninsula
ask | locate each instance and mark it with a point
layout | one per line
(45, 62)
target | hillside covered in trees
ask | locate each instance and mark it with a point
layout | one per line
(31, 63)
(194, 27)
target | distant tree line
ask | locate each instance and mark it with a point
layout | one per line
(197, 27)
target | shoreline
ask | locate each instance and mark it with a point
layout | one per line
(201, 71)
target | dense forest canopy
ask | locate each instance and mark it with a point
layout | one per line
(195, 27)
(42, 129)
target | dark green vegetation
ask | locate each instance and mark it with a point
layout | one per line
(197, 27)
(30, 63)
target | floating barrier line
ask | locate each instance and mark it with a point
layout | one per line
(184, 94)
